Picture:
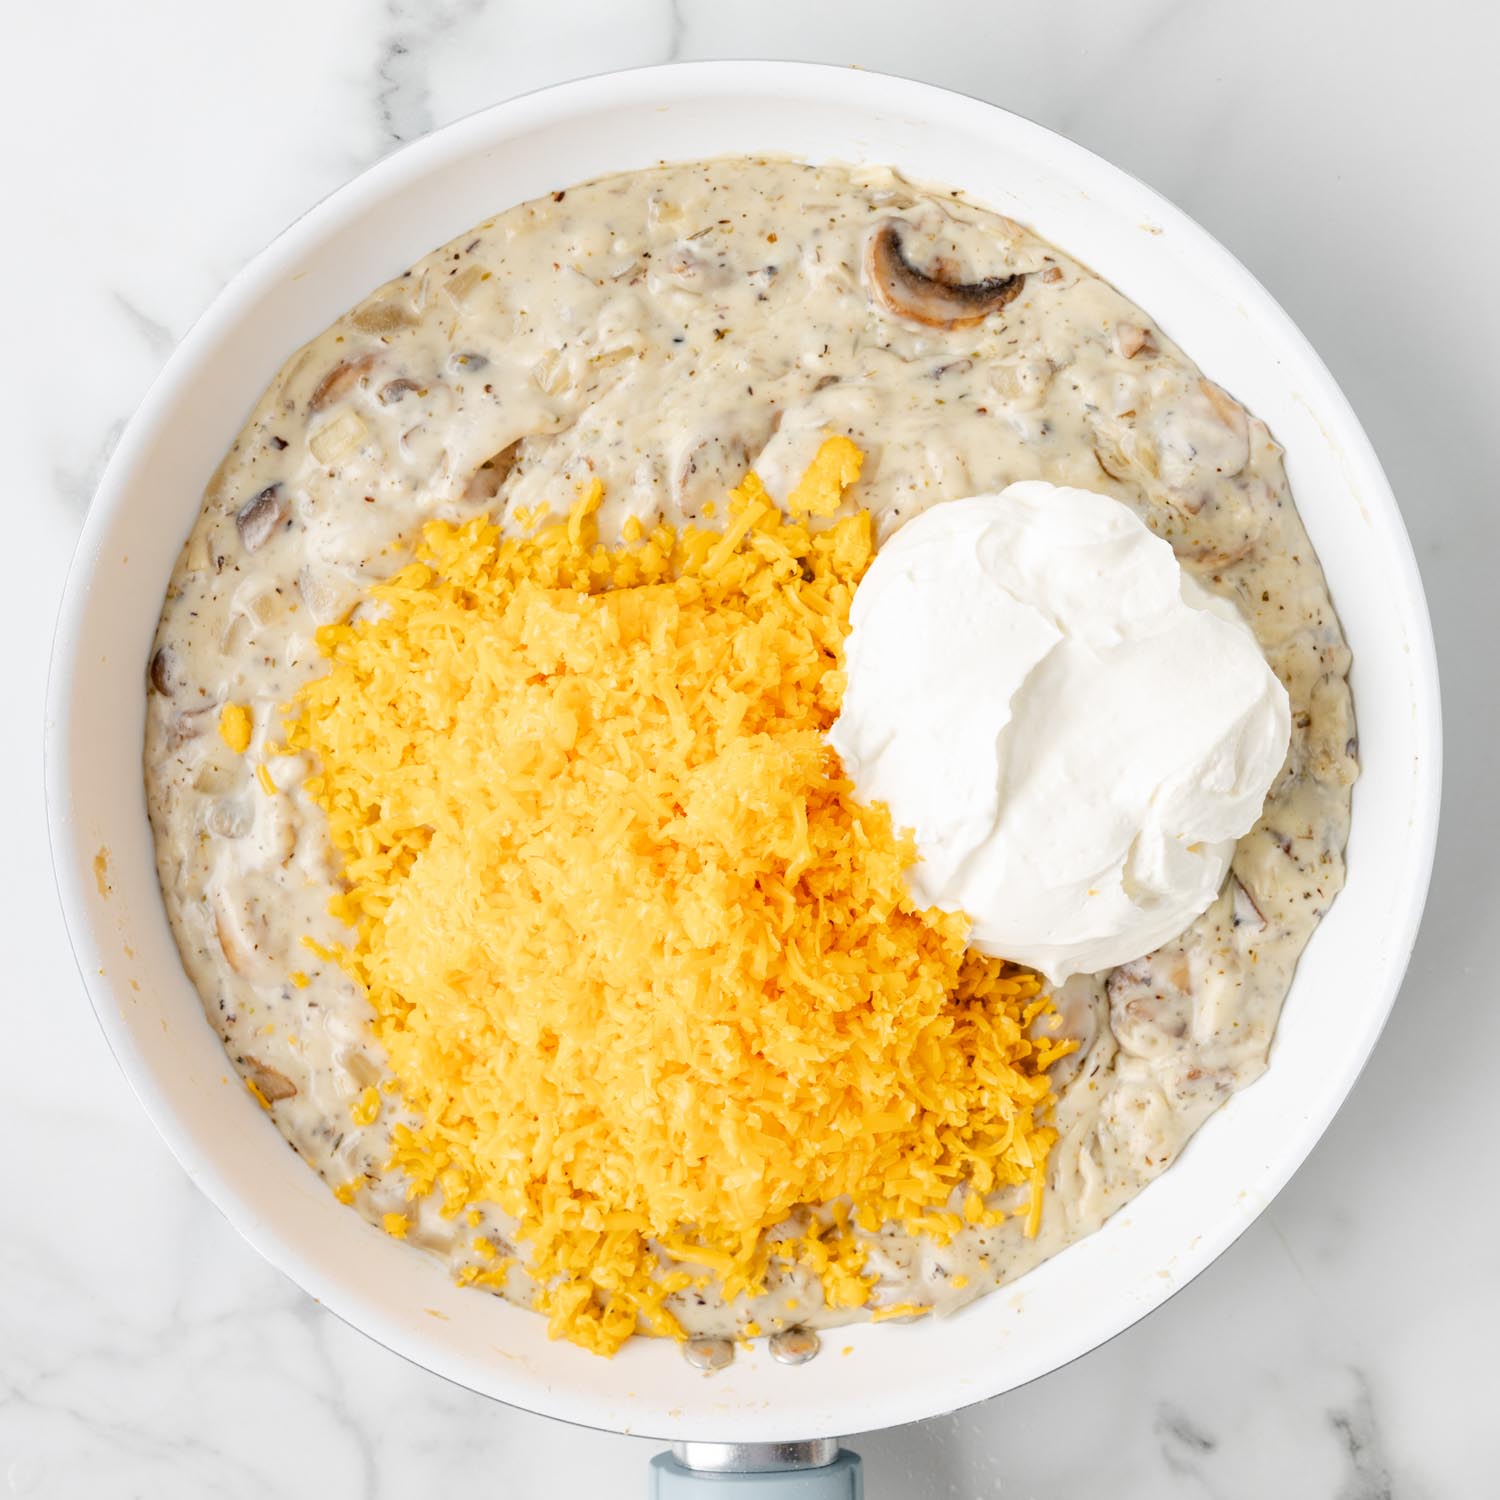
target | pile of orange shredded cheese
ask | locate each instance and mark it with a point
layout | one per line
(648, 973)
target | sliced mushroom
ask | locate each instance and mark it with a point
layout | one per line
(257, 519)
(1079, 1008)
(1105, 469)
(272, 1084)
(162, 671)
(704, 465)
(394, 390)
(236, 946)
(187, 726)
(383, 317)
(238, 917)
(339, 381)
(1151, 1002)
(1331, 754)
(1246, 912)
(900, 288)
(1131, 339)
(1226, 408)
(485, 482)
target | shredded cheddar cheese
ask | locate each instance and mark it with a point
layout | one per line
(494, 1278)
(648, 973)
(366, 1109)
(900, 1310)
(235, 725)
(831, 472)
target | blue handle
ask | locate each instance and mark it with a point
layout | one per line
(840, 1480)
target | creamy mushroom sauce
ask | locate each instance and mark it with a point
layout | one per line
(666, 329)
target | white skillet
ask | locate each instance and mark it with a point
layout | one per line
(372, 229)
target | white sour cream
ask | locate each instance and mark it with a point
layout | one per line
(1076, 732)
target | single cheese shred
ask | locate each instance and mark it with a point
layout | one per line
(236, 727)
(649, 977)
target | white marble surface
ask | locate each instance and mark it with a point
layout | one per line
(1344, 149)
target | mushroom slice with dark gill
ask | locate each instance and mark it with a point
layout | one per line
(272, 1084)
(258, 518)
(339, 381)
(486, 480)
(1245, 908)
(163, 671)
(395, 390)
(900, 288)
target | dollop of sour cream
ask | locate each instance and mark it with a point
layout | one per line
(1076, 732)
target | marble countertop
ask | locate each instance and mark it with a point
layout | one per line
(1343, 150)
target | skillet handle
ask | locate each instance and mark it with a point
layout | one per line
(757, 1471)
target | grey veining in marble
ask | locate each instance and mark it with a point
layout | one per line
(1344, 150)
(401, 90)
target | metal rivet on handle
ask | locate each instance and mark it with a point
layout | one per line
(794, 1346)
(708, 1354)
